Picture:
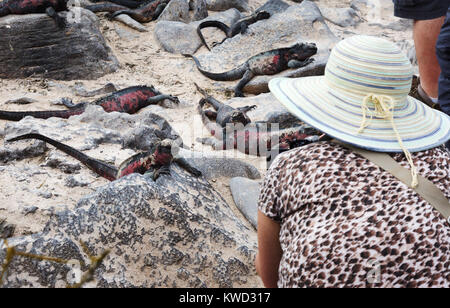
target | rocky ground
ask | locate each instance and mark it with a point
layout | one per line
(178, 231)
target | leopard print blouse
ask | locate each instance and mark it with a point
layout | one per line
(347, 223)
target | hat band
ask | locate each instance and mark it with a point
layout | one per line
(384, 107)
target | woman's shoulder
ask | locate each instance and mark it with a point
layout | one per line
(332, 151)
(313, 152)
(325, 155)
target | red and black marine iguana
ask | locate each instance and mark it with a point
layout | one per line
(129, 100)
(234, 130)
(21, 7)
(147, 12)
(240, 26)
(157, 161)
(266, 63)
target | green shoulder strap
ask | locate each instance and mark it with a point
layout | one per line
(426, 189)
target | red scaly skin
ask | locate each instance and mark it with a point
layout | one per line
(133, 167)
(162, 159)
(30, 6)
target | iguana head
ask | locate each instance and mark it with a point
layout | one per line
(262, 15)
(301, 51)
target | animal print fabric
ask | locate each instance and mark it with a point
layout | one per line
(345, 222)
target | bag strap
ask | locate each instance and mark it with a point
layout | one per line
(426, 189)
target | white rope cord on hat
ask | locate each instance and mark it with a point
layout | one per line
(384, 107)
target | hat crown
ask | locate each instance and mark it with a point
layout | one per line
(362, 65)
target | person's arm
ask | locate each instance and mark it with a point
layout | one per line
(269, 250)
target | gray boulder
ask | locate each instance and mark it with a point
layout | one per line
(200, 9)
(33, 45)
(130, 22)
(299, 23)
(343, 17)
(222, 5)
(176, 232)
(215, 167)
(179, 37)
(176, 10)
(274, 7)
(245, 195)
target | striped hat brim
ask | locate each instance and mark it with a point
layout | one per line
(312, 101)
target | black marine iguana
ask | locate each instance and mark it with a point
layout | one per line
(157, 161)
(223, 114)
(21, 7)
(265, 63)
(129, 100)
(240, 26)
(146, 12)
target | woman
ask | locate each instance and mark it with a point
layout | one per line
(329, 217)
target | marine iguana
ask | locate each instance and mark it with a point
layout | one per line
(265, 63)
(257, 138)
(240, 26)
(157, 161)
(129, 100)
(223, 114)
(21, 7)
(145, 13)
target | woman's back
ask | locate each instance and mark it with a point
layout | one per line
(345, 222)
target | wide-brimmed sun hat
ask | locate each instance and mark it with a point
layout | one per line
(363, 99)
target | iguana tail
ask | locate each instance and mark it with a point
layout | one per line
(212, 23)
(208, 99)
(234, 74)
(136, 16)
(17, 115)
(99, 167)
